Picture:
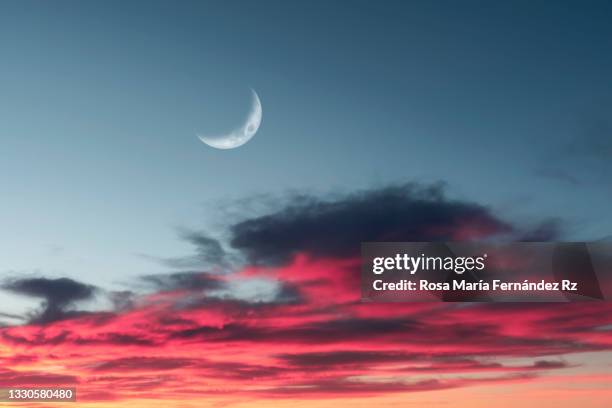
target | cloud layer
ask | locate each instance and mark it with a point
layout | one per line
(58, 295)
(310, 338)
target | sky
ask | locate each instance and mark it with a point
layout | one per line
(486, 118)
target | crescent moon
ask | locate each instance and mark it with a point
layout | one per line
(241, 135)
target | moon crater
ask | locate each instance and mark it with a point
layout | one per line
(240, 135)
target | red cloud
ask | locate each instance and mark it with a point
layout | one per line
(320, 345)
(315, 339)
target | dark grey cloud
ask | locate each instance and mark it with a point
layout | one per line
(9, 378)
(488, 337)
(202, 287)
(342, 385)
(320, 332)
(116, 339)
(548, 230)
(196, 281)
(549, 364)
(144, 364)
(209, 255)
(317, 360)
(240, 371)
(322, 361)
(336, 227)
(10, 316)
(38, 339)
(122, 299)
(59, 296)
(209, 249)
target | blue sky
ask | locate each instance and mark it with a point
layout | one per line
(100, 104)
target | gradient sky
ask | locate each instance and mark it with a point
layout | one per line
(101, 172)
(101, 102)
